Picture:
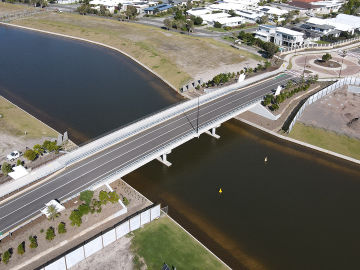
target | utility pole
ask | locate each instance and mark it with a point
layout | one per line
(304, 66)
(197, 118)
(343, 56)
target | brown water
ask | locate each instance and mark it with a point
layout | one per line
(298, 211)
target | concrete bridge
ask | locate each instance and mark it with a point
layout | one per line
(123, 151)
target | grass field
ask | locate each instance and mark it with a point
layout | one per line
(7, 8)
(15, 121)
(175, 57)
(328, 140)
(164, 241)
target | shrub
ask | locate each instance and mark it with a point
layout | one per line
(125, 201)
(33, 242)
(42, 230)
(61, 228)
(6, 168)
(21, 248)
(6, 257)
(84, 209)
(18, 162)
(52, 212)
(50, 234)
(113, 197)
(50, 146)
(217, 25)
(30, 154)
(198, 21)
(86, 196)
(38, 149)
(103, 197)
(75, 218)
(326, 57)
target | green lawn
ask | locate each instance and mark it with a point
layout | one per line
(164, 241)
(328, 140)
(322, 42)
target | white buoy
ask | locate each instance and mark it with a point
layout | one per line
(266, 159)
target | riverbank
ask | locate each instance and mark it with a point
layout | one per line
(174, 57)
(19, 129)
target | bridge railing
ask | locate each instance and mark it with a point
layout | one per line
(320, 94)
(111, 139)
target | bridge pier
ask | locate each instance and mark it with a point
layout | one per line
(163, 159)
(212, 133)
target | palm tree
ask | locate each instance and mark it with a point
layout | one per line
(52, 213)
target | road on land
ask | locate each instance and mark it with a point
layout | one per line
(91, 170)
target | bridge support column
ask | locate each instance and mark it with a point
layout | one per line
(163, 159)
(212, 133)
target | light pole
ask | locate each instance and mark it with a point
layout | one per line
(304, 67)
(342, 61)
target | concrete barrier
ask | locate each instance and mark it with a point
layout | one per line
(57, 265)
(74, 257)
(93, 246)
(109, 237)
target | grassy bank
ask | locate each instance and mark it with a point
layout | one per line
(328, 140)
(7, 8)
(175, 57)
(15, 121)
(164, 241)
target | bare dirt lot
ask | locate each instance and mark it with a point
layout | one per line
(338, 112)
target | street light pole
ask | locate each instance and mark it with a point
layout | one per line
(343, 56)
(304, 66)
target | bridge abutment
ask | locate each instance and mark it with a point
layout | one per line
(212, 132)
(163, 159)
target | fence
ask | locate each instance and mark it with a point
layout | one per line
(103, 239)
(320, 94)
(319, 46)
(18, 15)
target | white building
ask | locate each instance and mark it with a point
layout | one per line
(272, 11)
(198, 11)
(231, 21)
(342, 22)
(266, 33)
(210, 19)
(289, 38)
(326, 7)
(250, 16)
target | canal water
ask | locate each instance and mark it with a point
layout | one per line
(300, 210)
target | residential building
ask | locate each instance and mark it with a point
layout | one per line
(266, 33)
(342, 22)
(288, 37)
(156, 9)
(210, 19)
(198, 11)
(231, 21)
(272, 11)
(250, 16)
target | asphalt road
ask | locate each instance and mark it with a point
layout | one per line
(88, 171)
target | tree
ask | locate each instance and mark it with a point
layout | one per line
(125, 201)
(263, 19)
(50, 146)
(52, 213)
(113, 197)
(326, 57)
(61, 228)
(6, 168)
(232, 13)
(6, 257)
(198, 21)
(189, 25)
(188, 5)
(84, 209)
(270, 49)
(30, 154)
(50, 234)
(21, 248)
(217, 25)
(33, 242)
(131, 12)
(103, 197)
(168, 23)
(18, 162)
(179, 15)
(86, 196)
(102, 10)
(75, 218)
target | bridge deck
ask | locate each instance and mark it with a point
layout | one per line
(98, 166)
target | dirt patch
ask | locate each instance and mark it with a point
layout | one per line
(114, 256)
(328, 64)
(338, 112)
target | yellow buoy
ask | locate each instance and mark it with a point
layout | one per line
(220, 191)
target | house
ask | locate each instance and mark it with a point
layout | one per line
(231, 21)
(198, 11)
(342, 22)
(272, 11)
(156, 9)
(250, 16)
(210, 19)
(321, 7)
(287, 37)
(266, 33)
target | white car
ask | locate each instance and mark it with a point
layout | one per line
(13, 155)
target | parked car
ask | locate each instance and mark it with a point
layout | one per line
(13, 155)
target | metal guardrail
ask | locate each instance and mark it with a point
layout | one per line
(320, 94)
